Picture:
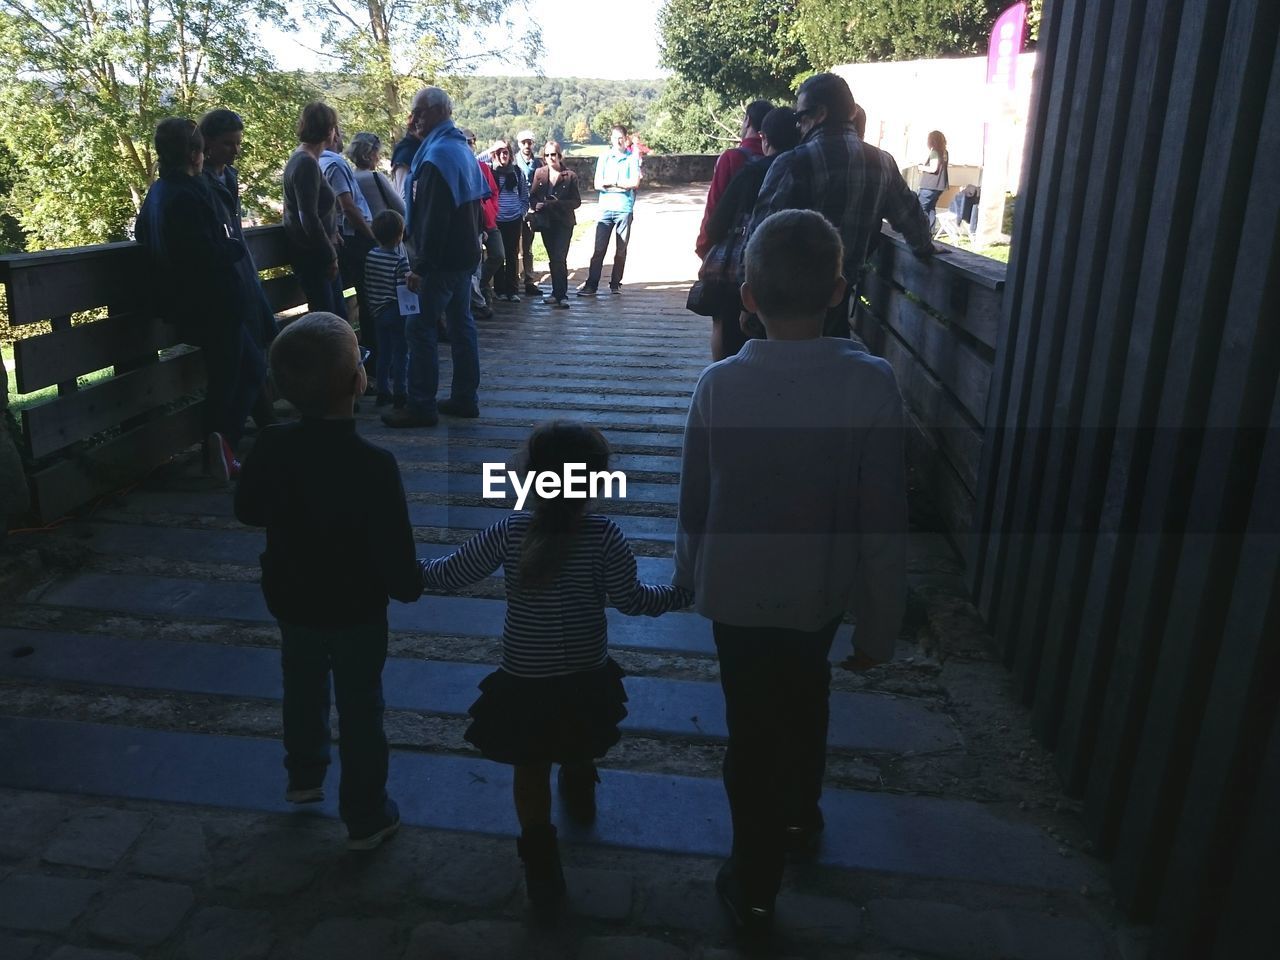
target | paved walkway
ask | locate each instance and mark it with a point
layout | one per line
(141, 810)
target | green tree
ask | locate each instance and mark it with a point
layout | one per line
(691, 119)
(84, 83)
(740, 49)
(619, 112)
(388, 48)
(860, 31)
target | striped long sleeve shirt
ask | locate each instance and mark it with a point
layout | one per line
(384, 270)
(559, 628)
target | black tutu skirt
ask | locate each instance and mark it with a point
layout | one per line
(531, 720)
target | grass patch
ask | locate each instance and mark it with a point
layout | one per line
(540, 249)
(20, 401)
(585, 149)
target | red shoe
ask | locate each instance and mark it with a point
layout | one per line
(221, 458)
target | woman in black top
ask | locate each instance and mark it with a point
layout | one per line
(311, 212)
(223, 133)
(933, 177)
(553, 198)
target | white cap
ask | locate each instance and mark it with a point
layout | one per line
(525, 135)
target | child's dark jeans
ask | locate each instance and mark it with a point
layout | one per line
(354, 656)
(392, 356)
(776, 687)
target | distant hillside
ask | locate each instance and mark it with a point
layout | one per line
(560, 108)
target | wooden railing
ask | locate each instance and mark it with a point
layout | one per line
(96, 436)
(936, 321)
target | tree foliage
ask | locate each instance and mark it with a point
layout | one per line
(389, 48)
(573, 110)
(84, 83)
(739, 49)
(832, 32)
(692, 119)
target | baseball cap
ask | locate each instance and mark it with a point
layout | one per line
(525, 135)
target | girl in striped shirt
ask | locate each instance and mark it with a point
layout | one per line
(557, 696)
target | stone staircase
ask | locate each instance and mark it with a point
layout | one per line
(141, 767)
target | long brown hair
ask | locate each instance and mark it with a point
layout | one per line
(937, 142)
(557, 520)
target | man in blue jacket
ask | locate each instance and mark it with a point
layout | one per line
(442, 200)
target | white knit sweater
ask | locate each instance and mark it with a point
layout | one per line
(793, 505)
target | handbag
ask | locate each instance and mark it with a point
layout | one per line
(702, 299)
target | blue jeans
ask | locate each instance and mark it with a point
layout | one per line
(448, 293)
(355, 656)
(322, 293)
(616, 222)
(929, 204)
(391, 359)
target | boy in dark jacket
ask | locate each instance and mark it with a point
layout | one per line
(339, 543)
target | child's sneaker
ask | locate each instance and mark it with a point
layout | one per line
(221, 459)
(577, 783)
(304, 794)
(371, 837)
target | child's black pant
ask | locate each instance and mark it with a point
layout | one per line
(355, 656)
(776, 686)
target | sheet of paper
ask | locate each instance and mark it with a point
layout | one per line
(408, 301)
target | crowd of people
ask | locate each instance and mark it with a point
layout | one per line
(466, 224)
(792, 497)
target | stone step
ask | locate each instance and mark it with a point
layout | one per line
(860, 722)
(243, 546)
(884, 833)
(176, 599)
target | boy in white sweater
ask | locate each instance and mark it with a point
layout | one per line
(792, 512)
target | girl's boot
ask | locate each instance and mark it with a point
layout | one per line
(543, 875)
(577, 782)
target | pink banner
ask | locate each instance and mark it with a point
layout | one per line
(1007, 37)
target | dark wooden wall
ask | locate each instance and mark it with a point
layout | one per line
(937, 322)
(96, 437)
(1126, 521)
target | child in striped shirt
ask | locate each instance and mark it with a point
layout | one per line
(385, 269)
(557, 696)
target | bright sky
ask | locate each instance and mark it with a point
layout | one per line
(575, 45)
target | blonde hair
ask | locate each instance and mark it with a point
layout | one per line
(313, 360)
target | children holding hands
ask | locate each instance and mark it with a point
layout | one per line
(557, 696)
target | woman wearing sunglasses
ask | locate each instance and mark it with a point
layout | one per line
(553, 197)
(513, 204)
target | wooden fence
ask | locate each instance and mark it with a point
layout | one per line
(93, 438)
(1127, 519)
(936, 321)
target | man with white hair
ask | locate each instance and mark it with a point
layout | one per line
(442, 201)
(528, 161)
